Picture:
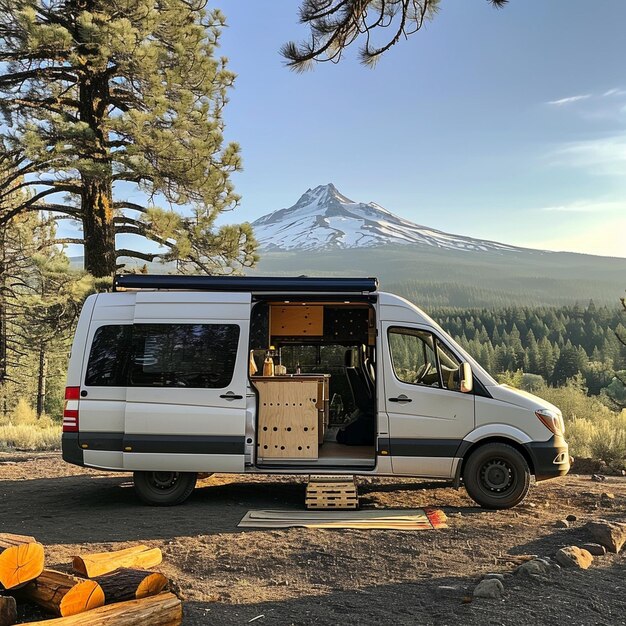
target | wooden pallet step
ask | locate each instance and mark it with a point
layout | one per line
(332, 505)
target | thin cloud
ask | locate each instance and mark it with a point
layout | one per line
(614, 92)
(599, 156)
(570, 100)
(584, 206)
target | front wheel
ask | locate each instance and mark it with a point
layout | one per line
(164, 488)
(497, 476)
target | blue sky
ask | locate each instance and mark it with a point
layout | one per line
(502, 124)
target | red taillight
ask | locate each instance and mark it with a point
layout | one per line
(70, 411)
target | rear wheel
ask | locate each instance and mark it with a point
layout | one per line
(497, 476)
(164, 488)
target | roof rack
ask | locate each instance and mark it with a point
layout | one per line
(245, 283)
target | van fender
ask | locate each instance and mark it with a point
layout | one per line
(485, 432)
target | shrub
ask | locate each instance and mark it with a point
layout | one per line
(24, 430)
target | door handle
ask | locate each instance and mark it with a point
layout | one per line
(231, 396)
(400, 398)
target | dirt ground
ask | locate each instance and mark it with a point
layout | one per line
(231, 576)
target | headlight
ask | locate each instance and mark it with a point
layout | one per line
(552, 420)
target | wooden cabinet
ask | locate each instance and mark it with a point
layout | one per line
(292, 416)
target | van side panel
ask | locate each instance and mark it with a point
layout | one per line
(102, 408)
(190, 428)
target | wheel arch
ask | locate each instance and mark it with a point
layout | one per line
(467, 448)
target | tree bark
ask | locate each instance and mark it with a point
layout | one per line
(41, 380)
(97, 181)
(21, 560)
(8, 611)
(130, 584)
(164, 609)
(63, 594)
(92, 565)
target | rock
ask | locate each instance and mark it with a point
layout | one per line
(607, 495)
(490, 588)
(571, 518)
(594, 548)
(494, 576)
(450, 591)
(612, 535)
(599, 478)
(540, 569)
(562, 523)
(573, 556)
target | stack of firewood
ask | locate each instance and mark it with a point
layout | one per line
(110, 588)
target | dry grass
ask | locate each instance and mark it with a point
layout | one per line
(23, 430)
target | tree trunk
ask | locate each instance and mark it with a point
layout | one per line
(3, 312)
(91, 565)
(21, 560)
(63, 594)
(41, 380)
(162, 610)
(130, 584)
(8, 611)
(98, 227)
(96, 181)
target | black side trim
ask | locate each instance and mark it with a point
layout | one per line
(178, 444)
(70, 449)
(424, 447)
(383, 446)
(111, 442)
(543, 454)
(185, 444)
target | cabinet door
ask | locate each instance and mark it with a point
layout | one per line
(428, 414)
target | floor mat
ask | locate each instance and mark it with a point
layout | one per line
(392, 519)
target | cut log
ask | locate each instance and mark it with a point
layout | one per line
(63, 594)
(92, 565)
(130, 584)
(162, 610)
(8, 611)
(21, 560)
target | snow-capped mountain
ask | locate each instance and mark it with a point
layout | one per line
(323, 218)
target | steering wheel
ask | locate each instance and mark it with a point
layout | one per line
(421, 372)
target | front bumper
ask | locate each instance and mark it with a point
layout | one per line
(550, 458)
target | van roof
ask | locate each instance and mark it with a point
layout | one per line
(283, 284)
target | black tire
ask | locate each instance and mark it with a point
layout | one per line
(164, 488)
(497, 476)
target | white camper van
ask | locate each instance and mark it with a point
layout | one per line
(171, 376)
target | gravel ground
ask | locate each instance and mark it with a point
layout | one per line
(229, 576)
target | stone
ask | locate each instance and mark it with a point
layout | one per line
(450, 591)
(607, 495)
(571, 518)
(562, 523)
(594, 548)
(494, 576)
(612, 535)
(573, 556)
(540, 569)
(490, 588)
(599, 478)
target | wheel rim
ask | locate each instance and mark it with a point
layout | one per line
(497, 477)
(164, 481)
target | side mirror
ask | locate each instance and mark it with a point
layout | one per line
(467, 379)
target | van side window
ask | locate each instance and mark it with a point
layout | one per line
(183, 355)
(419, 358)
(108, 357)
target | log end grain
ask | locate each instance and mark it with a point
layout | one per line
(20, 564)
(84, 596)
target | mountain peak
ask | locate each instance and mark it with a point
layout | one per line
(323, 218)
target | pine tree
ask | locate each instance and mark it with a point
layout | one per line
(336, 24)
(100, 96)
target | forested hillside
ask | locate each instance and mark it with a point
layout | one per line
(555, 343)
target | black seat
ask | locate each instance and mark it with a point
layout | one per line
(358, 385)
